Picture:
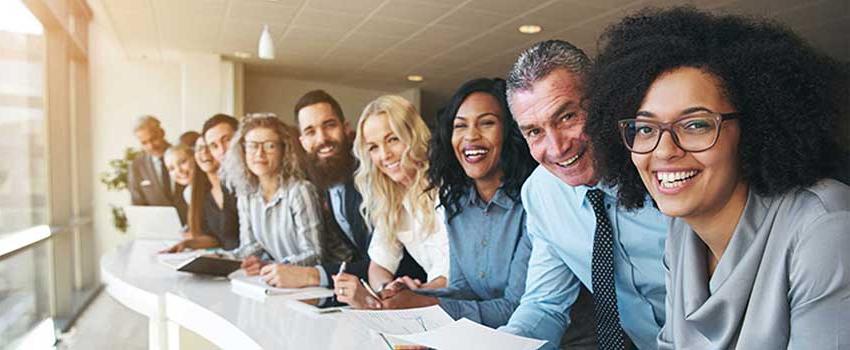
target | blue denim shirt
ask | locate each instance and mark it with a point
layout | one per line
(489, 258)
(561, 225)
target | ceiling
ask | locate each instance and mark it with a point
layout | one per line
(377, 43)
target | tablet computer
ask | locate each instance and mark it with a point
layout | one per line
(211, 266)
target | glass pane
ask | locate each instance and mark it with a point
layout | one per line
(23, 163)
(24, 295)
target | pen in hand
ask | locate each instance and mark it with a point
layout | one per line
(370, 290)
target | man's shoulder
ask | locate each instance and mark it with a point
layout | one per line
(139, 160)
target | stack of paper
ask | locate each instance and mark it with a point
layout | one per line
(433, 327)
(468, 335)
(254, 287)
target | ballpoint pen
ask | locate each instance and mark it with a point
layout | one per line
(370, 290)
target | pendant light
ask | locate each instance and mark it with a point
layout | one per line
(266, 48)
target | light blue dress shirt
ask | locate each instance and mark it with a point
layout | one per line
(561, 225)
(489, 253)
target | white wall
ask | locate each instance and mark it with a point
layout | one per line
(278, 95)
(181, 89)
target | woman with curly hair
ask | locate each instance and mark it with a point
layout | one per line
(475, 138)
(728, 123)
(392, 148)
(280, 213)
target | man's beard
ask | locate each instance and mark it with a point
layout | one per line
(338, 168)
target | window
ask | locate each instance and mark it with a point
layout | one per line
(23, 161)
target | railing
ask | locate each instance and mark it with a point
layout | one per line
(47, 277)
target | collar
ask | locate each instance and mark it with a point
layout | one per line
(581, 191)
(278, 196)
(500, 198)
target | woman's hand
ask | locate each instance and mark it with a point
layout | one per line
(252, 265)
(407, 299)
(290, 276)
(349, 290)
(179, 247)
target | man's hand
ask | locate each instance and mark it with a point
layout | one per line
(290, 276)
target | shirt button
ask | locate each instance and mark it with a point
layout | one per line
(483, 242)
(481, 274)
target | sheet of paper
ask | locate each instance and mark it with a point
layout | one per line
(254, 286)
(468, 335)
(400, 321)
(176, 260)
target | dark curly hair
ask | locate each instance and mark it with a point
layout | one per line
(790, 97)
(448, 176)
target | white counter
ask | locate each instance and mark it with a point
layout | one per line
(207, 306)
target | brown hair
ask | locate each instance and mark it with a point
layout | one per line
(316, 97)
(235, 169)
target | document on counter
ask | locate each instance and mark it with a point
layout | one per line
(468, 335)
(407, 321)
(176, 260)
(254, 287)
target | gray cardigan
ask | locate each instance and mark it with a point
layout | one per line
(783, 281)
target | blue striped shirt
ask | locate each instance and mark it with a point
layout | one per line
(288, 227)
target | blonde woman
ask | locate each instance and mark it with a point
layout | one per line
(179, 160)
(392, 147)
(280, 215)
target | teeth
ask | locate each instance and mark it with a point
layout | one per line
(326, 149)
(570, 161)
(475, 152)
(391, 165)
(674, 179)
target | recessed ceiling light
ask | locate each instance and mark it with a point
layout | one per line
(242, 54)
(530, 29)
(416, 78)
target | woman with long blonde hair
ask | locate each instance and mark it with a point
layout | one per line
(280, 214)
(392, 147)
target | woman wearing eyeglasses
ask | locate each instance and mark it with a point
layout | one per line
(729, 125)
(279, 211)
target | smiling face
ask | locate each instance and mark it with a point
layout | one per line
(180, 167)
(263, 151)
(205, 161)
(152, 141)
(323, 134)
(218, 139)
(385, 149)
(477, 136)
(552, 121)
(689, 184)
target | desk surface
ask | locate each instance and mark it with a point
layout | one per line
(208, 307)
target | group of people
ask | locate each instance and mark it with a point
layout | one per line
(679, 191)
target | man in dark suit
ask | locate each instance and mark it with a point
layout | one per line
(327, 138)
(148, 178)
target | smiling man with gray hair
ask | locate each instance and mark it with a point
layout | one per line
(148, 179)
(580, 237)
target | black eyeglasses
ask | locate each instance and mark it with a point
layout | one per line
(266, 146)
(692, 133)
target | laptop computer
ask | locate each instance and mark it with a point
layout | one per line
(153, 222)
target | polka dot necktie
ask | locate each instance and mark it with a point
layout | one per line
(608, 331)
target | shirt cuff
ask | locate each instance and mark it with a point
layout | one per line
(323, 277)
(450, 306)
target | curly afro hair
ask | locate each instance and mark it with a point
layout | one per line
(791, 97)
(446, 173)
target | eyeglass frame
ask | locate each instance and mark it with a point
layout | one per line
(262, 145)
(719, 117)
